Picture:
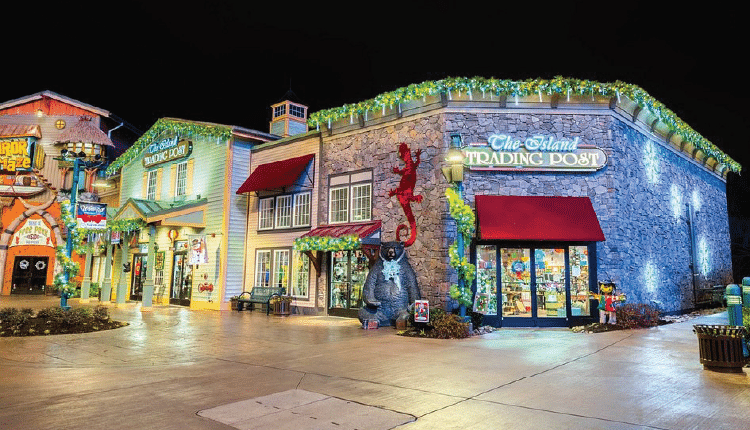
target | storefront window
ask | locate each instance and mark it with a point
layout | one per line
(263, 269)
(485, 301)
(550, 282)
(280, 268)
(348, 273)
(579, 280)
(301, 280)
(516, 282)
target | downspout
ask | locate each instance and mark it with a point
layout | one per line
(691, 212)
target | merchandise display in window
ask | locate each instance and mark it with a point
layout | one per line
(516, 282)
(551, 296)
(348, 273)
(485, 300)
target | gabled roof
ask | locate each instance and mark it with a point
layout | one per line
(20, 130)
(52, 95)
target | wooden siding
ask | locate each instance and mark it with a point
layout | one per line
(237, 219)
(281, 238)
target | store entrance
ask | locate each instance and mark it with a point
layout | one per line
(347, 277)
(29, 275)
(181, 276)
(140, 261)
(550, 294)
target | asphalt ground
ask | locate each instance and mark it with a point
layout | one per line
(173, 368)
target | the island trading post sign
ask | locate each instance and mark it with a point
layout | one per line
(167, 149)
(535, 153)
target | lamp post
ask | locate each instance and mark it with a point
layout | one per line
(78, 159)
(454, 173)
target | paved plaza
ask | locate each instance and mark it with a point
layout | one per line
(173, 368)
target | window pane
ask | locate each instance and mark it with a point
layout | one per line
(151, 190)
(579, 280)
(361, 202)
(283, 211)
(301, 281)
(516, 282)
(265, 214)
(181, 179)
(485, 301)
(339, 206)
(263, 269)
(302, 210)
(280, 268)
(550, 283)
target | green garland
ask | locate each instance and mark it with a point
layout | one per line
(465, 220)
(180, 128)
(327, 243)
(557, 86)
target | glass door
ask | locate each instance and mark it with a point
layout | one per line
(551, 294)
(347, 277)
(515, 272)
(180, 287)
(139, 276)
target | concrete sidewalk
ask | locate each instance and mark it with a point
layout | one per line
(176, 368)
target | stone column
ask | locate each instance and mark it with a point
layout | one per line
(107, 282)
(122, 286)
(148, 285)
(86, 285)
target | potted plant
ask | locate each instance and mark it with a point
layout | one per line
(233, 302)
(281, 305)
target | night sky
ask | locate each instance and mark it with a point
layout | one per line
(226, 62)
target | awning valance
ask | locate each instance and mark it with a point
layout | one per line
(276, 175)
(536, 218)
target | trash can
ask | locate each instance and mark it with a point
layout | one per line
(721, 346)
(734, 304)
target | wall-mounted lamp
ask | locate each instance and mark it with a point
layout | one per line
(454, 171)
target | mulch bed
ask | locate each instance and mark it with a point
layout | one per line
(57, 322)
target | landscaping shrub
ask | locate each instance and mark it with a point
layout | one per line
(447, 326)
(637, 315)
(55, 320)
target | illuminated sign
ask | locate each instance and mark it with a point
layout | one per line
(166, 150)
(20, 154)
(92, 215)
(536, 153)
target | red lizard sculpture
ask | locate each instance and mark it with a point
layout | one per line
(405, 191)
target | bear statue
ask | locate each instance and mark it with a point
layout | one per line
(390, 288)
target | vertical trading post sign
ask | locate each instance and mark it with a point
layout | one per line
(92, 216)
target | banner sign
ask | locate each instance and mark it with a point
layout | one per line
(115, 238)
(198, 251)
(503, 152)
(166, 150)
(33, 232)
(92, 215)
(421, 311)
(20, 154)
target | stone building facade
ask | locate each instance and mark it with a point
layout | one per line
(644, 196)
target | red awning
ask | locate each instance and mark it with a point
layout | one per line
(569, 219)
(279, 174)
(361, 229)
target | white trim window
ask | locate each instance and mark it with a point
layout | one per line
(361, 202)
(301, 279)
(281, 269)
(151, 186)
(181, 181)
(262, 268)
(339, 205)
(350, 197)
(284, 211)
(265, 214)
(302, 206)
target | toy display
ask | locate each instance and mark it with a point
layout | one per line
(607, 301)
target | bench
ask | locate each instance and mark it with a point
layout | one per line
(260, 295)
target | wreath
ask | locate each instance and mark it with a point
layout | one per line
(40, 265)
(23, 264)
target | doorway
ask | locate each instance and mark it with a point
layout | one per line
(348, 271)
(180, 287)
(29, 275)
(140, 262)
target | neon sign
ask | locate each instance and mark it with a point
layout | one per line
(536, 153)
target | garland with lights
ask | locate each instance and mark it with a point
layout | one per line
(327, 243)
(178, 128)
(465, 219)
(557, 86)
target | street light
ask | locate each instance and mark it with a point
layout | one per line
(454, 173)
(78, 159)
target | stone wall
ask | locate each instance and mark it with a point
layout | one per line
(647, 248)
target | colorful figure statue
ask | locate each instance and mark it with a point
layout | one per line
(607, 301)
